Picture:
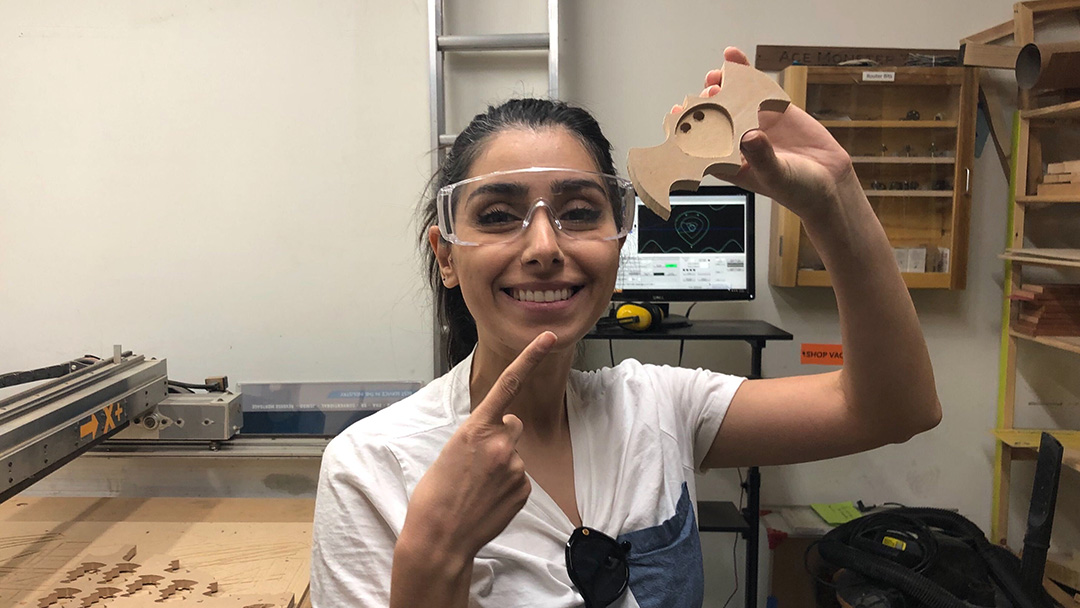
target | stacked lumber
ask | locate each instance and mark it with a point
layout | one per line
(1064, 568)
(1061, 179)
(1048, 310)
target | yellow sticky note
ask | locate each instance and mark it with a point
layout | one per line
(836, 513)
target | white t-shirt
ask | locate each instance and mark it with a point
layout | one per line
(638, 434)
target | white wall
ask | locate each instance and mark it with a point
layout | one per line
(230, 184)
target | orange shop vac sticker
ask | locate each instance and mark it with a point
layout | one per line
(822, 354)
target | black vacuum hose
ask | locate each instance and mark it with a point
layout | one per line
(835, 548)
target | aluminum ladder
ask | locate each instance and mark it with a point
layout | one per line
(440, 44)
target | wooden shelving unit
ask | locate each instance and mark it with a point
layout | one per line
(1025, 444)
(912, 141)
(1031, 151)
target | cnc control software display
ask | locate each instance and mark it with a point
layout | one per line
(702, 246)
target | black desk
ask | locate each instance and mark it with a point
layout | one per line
(722, 516)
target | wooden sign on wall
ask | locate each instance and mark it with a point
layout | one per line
(773, 58)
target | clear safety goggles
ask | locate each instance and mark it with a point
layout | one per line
(499, 207)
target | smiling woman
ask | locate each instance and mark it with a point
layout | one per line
(514, 480)
(494, 161)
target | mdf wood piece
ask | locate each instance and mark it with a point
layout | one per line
(1064, 569)
(1061, 178)
(989, 55)
(1051, 289)
(1059, 595)
(1062, 189)
(704, 138)
(1069, 166)
(1062, 256)
(244, 553)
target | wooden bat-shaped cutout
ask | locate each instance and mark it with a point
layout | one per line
(704, 138)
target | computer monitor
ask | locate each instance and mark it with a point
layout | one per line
(704, 252)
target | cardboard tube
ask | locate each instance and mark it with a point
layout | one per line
(1054, 65)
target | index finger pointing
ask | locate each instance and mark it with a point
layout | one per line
(493, 406)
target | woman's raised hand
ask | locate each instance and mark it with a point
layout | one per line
(478, 482)
(791, 159)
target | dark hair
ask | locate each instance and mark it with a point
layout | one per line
(453, 316)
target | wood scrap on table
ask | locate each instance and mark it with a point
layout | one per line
(127, 580)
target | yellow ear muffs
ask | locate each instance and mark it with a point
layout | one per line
(647, 315)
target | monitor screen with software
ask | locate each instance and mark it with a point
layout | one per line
(704, 252)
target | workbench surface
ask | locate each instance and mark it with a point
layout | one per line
(250, 546)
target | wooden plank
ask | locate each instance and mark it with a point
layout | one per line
(903, 160)
(1021, 139)
(1051, 290)
(1040, 260)
(989, 55)
(1059, 595)
(249, 546)
(1066, 189)
(1053, 309)
(1061, 178)
(889, 124)
(1034, 160)
(1000, 31)
(1062, 255)
(1069, 110)
(1069, 166)
(1030, 438)
(1044, 330)
(991, 34)
(1047, 200)
(1063, 343)
(773, 58)
(1071, 458)
(1041, 7)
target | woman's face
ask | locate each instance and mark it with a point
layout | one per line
(495, 278)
